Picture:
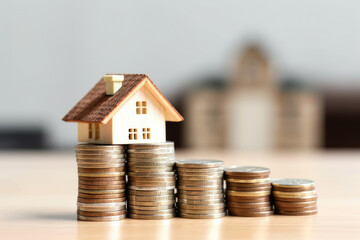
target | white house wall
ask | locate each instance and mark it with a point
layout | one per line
(127, 118)
(105, 133)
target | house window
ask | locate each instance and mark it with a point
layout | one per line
(146, 133)
(133, 134)
(90, 131)
(94, 131)
(97, 131)
(141, 107)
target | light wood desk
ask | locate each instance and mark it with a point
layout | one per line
(38, 201)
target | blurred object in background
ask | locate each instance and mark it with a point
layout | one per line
(342, 118)
(252, 112)
(22, 138)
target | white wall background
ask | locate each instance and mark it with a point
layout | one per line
(52, 52)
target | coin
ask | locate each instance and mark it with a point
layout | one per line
(203, 211)
(247, 185)
(151, 145)
(150, 193)
(297, 209)
(205, 187)
(154, 216)
(148, 169)
(151, 198)
(118, 178)
(200, 183)
(101, 214)
(100, 170)
(201, 197)
(254, 189)
(206, 206)
(298, 199)
(247, 199)
(98, 147)
(111, 174)
(252, 214)
(248, 194)
(140, 188)
(202, 216)
(150, 208)
(101, 219)
(102, 187)
(86, 165)
(151, 175)
(260, 180)
(248, 205)
(102, 209)
(199, 170)
(165, 202)
(247, 171)
(100, 183)
(101, 196)
(293, 194)
(294, 204)
(101, 191)
(200, 192)
(303, 213)
(152, 212)
(200, 202)
(199, 163)
(247, 210)
(292, 182)
(96, 200)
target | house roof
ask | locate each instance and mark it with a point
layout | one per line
(97, 107)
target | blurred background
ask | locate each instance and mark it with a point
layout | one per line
(246, 75)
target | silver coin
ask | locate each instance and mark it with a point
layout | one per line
(200, 170)
(151, 217)
(200, 192)
(151, 188)
(151, 164)
(199, 202)
(202, 211)
(247, 170)
(202, 216)
(292, 182)
(160, 174)
(102, 219)
(150, 193)
(101, 191)
(151, 212)
(101, 205)
(200, 175)
(136, 198)
(205, 206)
(151, 208)
(199, 163)
(82, 165)
(199, 183)
(201, 197)
(154, 150)
(100, 152)
(109, 174)
(98, 146)
(155, 203)
(209, 187)
(151, 145)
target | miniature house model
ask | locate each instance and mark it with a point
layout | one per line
(123, 109)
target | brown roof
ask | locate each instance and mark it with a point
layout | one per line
(96, 106)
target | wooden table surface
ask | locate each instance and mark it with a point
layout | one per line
(38, 193)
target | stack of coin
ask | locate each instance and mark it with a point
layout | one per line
(151, 181)
(200, 191)
(101, 170)
(248, 191)
(296, 197)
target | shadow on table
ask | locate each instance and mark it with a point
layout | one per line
(56, 216)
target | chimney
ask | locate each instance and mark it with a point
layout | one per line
(113, 83)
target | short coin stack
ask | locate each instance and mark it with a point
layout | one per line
(200, 189)
(248, 191)
(101, 170)
(296, 197)
(151, 181)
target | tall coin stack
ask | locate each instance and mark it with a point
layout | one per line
(200, 190)
(296, 197)
(248, 191)
(151, 181)
(101, 170)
